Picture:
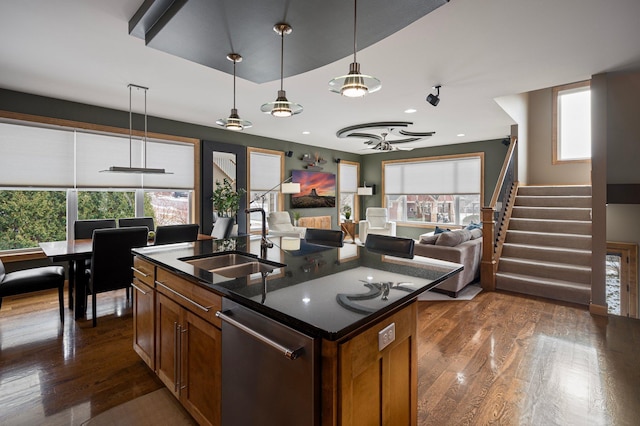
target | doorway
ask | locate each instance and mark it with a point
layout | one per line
(622, 279)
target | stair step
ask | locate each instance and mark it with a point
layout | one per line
(547, 254)
(550, 239)
(582, 227)
(560, 213)
(566, 291)
(544, 269)
(555, 190)
(571, 201)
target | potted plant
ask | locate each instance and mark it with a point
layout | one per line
(296, 217)
(346, 210)
(226, 199)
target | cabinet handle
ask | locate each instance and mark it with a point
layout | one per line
(204, 308)
(139, 271)
(289, 353)
(139, 289)
(176, 335)
(182, 330)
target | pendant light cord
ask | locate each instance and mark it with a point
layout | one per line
(130, 126)
(355, 14)
(281, 59)
(234, 84)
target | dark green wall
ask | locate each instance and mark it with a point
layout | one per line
(371, 170)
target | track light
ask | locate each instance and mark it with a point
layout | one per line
(434, 99)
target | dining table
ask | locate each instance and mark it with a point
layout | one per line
(75, 252)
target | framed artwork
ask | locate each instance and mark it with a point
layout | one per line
(317, 189)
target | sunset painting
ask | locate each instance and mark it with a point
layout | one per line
(317, 189)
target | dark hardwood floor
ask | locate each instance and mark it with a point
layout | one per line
(499, 359)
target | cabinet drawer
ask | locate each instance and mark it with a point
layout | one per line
(202, 302)
(144, 271)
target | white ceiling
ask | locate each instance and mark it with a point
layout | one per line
(479, 50)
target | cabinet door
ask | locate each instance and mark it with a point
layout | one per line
(143, 322)
(379, 386)
(167, 340)
(201, 367)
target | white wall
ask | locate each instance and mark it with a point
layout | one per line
(517, 106)
(540, 170)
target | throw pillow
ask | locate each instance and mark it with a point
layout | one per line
(473, 225)
(428, 239)
(476, 233)
(449, 239)
(439, 230)
(466, 234)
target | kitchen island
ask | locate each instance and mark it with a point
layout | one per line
(356, 310)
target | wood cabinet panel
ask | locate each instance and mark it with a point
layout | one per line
(201, 301)
(320, 222)
(144, 322)
(144, 271)
(167, 321)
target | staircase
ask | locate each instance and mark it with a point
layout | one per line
(547, 249)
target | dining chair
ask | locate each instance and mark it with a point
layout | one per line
(169, 234)
(389, 245)
(127, 222)
(30, 280)
(324, 237)
(222, 227)
(111, 260)
(83, 230)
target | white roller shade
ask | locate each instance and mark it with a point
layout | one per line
(34, 156)
(458, 176)
(348, 178)
(177, 158)
(265, 171)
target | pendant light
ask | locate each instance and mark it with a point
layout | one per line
(282, 107)
(234, 122)
(354, 84)
(144, 169)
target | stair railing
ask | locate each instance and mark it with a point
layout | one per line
(493, 217)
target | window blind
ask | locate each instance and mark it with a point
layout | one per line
(348, 177)
(265, 171)
(455, 176)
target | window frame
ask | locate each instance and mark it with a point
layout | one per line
(355, 214)
(555, 137)
(430, 225)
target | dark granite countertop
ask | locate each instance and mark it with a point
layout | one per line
(322, 291)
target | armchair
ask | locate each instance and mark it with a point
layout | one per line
(280, 226)
(376, 222)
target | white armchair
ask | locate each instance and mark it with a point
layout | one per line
(280, 226)
(377, 222)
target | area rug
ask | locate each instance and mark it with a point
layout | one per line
(155, 408)
(467, 293)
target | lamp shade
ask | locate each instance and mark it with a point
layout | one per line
(365, 190)
(290, 188)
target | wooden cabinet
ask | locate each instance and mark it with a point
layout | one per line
(188, 346)
(365, 385)
(144, 311)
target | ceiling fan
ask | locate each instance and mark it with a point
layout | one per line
(384, 145)
(379, 142)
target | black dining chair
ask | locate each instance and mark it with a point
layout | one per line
(392, 246)
(112, 260)
(30, 280)
(222, 227)
(169, 234)
(324, 237)
(128, 222)
(83, 230)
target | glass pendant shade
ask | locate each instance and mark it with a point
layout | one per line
(234, 122)
(354, 84)
(282, 107)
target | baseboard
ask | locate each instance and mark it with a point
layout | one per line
(598, 310)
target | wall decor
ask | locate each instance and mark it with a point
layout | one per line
(317, 189)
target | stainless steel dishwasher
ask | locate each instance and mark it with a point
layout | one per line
(270, 372)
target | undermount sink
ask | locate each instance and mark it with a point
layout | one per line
(233, 265)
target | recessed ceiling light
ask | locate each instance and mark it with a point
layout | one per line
(460, 135)
(306, 132)
(410, 110)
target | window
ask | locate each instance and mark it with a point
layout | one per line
(348, 175)
(266, 170)
(435, 190)
(572, 123)
(51, 177)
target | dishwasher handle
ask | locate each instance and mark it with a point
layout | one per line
(289, 353)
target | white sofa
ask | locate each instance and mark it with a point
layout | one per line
(376, 222)
(280, 226)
